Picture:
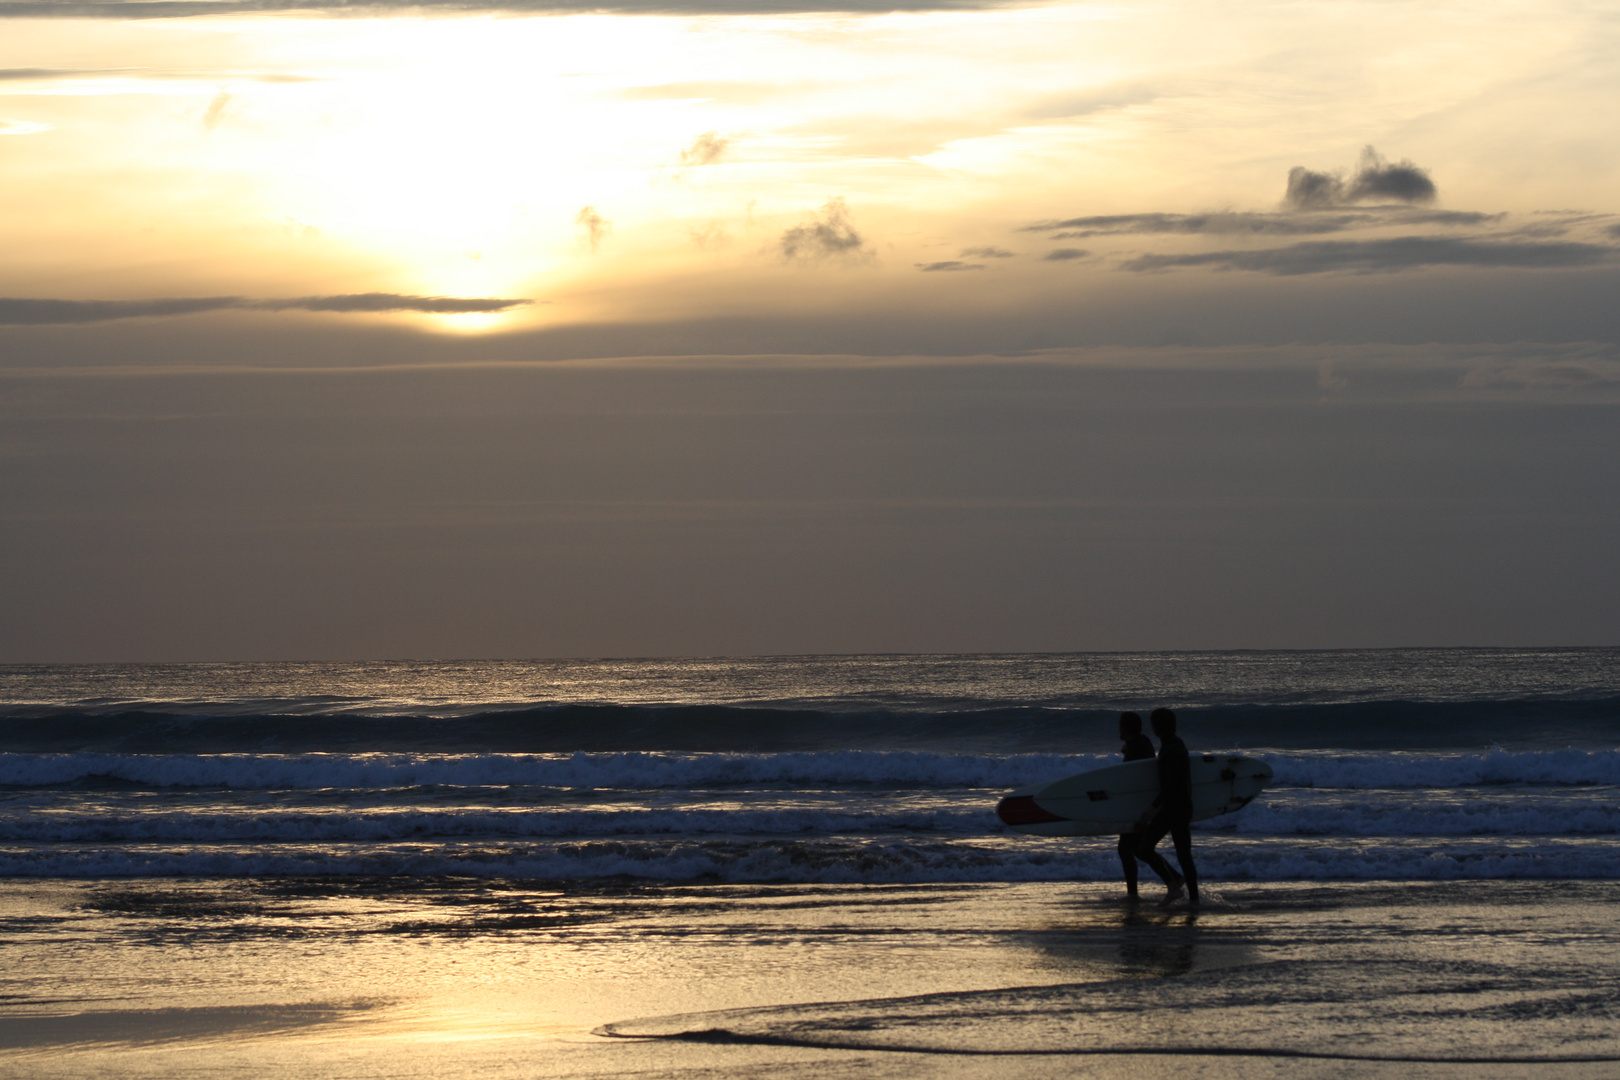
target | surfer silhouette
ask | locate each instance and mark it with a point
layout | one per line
(1137, 746)
(1171, 811)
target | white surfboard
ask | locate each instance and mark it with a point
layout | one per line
(1111, 800)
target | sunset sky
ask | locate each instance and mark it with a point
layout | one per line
(745, 326)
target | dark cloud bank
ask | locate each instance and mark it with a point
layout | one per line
(1255, 223)
(16, 311)
(1385, 256)
(1319, 203)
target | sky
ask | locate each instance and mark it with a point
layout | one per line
(739, 327)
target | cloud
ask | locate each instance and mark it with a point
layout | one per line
(1223, 223)
(19, 311)
(1387, 256)
(593, 226)
(1308, 190)
(952, 264)
(829, 236)
(22, 127)
(216, 110)
(179, 9)
(706, 149)
(1329, 379)
(1375, 180)
(988, 253)
(43, 74)
(1085, 103)
(1571, 374)
(710, 237)
(62, 74)
(1065, 254)
(733, 92)
(436, 305)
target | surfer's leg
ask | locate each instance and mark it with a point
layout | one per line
(1127, 859)
(1181, 836)
(1144, 851)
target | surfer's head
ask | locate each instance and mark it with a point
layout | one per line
(1130, 724)
(1163, 721)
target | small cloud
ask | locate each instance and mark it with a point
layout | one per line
(988, 253)
(42, 74)
(216, 110)
(1310, 190)
(831, 235)
(1100, 99)
(72, 74)
(710, 237)
(1375, 180)
(952, 264)
(592, 225)
(19, 311)
(1065, 254)
(732, 93)
(1328, 379)
(1613, 230)
(22, 127)
(436, 305)
(706, 149)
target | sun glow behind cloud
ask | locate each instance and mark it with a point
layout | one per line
(455, 156)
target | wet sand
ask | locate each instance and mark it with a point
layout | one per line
(444, 978)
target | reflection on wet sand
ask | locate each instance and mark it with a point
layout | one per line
(1159, 946)
(1109, 941)
(497, 980)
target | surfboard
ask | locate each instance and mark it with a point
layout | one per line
(1111, 800)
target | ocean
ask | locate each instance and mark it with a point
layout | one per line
(1402, 764)
(791, 866)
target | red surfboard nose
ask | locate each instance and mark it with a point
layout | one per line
(1023, 811)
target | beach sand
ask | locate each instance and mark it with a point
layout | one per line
(458, 977)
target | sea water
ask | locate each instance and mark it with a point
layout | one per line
(1423, 765)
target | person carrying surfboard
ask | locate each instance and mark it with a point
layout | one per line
(1137, 746)
(1171, 812)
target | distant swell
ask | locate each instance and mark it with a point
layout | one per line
(646, 771)
(322, 724)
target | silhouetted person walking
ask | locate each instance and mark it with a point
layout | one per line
(1172, 810)
(1137, 746)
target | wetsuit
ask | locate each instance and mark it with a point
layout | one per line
(1136, 748)
(1172, 813)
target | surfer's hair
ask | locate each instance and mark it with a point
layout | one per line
(1131, 721)
(1163, 720)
